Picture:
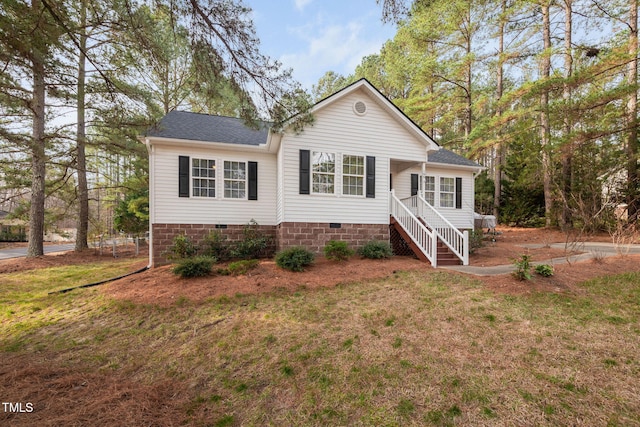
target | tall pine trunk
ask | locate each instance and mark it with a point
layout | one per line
(567, 149)
(545, 134)
(468, 126)
(38, 157)
(632, 115)
(499, 149)
(83, 190)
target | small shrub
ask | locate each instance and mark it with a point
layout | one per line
(476, 240)
(222, 272)
(376, 249)
(544, 270)
(294, 259)
(337, 250)
(238, 268)
(523, 267)
(253, 243)
(215, 244)
(598, 257)
(194, 267)
(181, 248)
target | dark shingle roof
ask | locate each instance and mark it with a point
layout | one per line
(203, 127)
(448, 157)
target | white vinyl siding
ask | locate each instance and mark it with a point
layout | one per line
(168, 208)
(279, 189)
(337, 129)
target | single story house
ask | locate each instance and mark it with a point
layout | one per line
(362, 171)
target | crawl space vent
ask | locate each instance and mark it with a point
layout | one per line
(360, 108)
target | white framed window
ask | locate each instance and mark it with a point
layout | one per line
(430, 189)
(447, 192)
(235, 180)
(323, 173)
(203, 176)
(352, 175)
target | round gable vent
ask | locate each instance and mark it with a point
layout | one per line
(360, 108)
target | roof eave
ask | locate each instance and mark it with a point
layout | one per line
(273, 141)
(157, 140)
(476, 169)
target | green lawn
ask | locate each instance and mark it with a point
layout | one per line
(420, 348)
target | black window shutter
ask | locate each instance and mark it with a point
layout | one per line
(305, 166)
(183, 176)
(458, 193)
(253, 180)
(414, 184)
(371, 177)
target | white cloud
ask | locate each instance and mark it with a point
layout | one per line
(300, 4)
(333, 47)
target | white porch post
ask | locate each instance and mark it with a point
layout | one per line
(434, 249)
(465, 250)
(391, 195)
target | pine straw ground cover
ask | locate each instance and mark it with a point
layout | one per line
(417, 348)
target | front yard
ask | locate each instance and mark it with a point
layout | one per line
(417, 347)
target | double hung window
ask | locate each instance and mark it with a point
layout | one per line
(430, 189)
(203, 174)
(235, 180)
(447, 192)
(353, 175)
(323, 173)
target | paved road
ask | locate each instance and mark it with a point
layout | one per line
(20, 252)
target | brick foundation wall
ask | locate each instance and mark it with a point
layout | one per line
(314, 235)
(163, 235)
(311, 235)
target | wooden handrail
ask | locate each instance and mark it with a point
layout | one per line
(420, 235)
(456, 240)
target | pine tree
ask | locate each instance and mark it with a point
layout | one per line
(28, 39)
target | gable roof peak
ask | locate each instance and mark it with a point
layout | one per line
(383, 102)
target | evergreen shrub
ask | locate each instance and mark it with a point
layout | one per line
(215, 244)
(376, 249)
(196, 266)
(181, 248)
(337, 250)
(294, 259)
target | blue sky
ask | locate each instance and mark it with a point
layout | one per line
(316, 36)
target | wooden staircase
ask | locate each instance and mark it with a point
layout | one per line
(416, 250)
(444, 254)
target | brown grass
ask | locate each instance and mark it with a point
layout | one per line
(419, 347)
(64, 396)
